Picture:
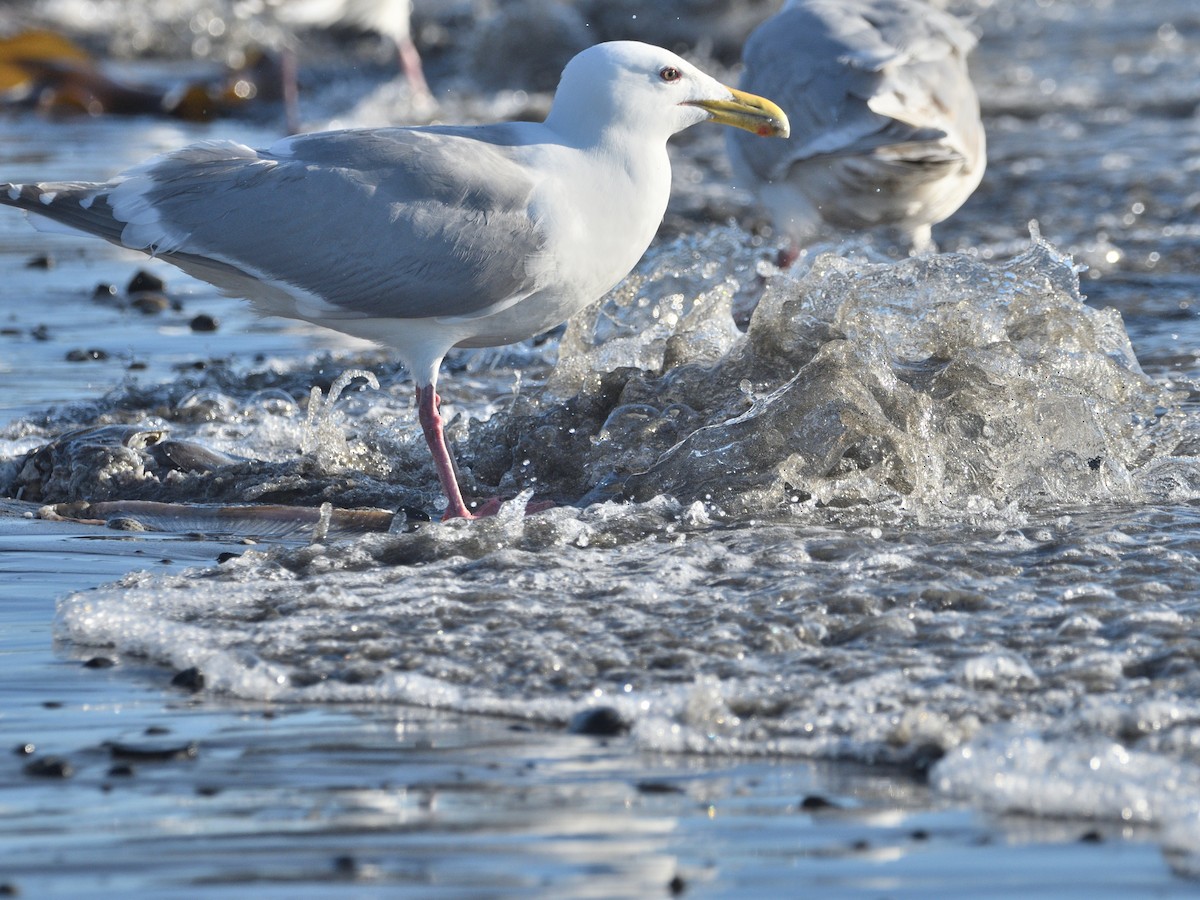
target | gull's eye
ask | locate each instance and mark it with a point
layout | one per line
(670, 73)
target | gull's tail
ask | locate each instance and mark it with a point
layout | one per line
(74, 207)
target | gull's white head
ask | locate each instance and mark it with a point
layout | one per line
(631, 86)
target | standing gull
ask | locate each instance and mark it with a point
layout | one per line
(886, 128)
(389, 18)
(425, 238)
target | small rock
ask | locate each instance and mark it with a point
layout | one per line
(24, 749)
(676, 885)
(345, 865)
(50, 767)
(815, 801)
(925, 756)
(104, 292)
(190, 679)
(187, 751)
(600, 721)
(90, 355)
(122, 771)
(204, 322)
(658, 787)
(99, 662)
(41, 261)
(143, 281)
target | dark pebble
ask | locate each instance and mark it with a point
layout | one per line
(144, 281)
(104, 292)
(1091, 837)
(924, 758)
(24, 749)
(860, 846)
(156, 730)
(40, 333)
(8, 889)
(41, 261)
(122, 771)
(190, 679)
(676, 886)
(346, 865)
(920, 835)
(137, 366)
(602, 721)
(10, 332)
(227, 556)
(150, 304)
(815, 801)
(204, 322)
(52, 704)
(91, 355)
(50, 767)
(658, 787)
(190, 750)
(99, 662)
(1094, 464)
(207, 790)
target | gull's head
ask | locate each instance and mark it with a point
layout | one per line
(629, 85)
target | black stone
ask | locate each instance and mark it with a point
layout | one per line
(815, 801)
(99, 662)
(50, 767)
(658, 787)
(90, 355)
(189, 679)
(143, 281)
(187, 751)
(204, 322)
(601, 721)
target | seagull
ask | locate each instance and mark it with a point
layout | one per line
(390, 18)
(886, 121)
(424, 238)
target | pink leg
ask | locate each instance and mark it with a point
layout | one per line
(431, 424)
(410, 62)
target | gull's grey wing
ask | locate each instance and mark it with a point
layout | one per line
(855, 77)
(404, 223)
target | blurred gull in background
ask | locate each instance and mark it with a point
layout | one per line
(390, 18)
(885, 120)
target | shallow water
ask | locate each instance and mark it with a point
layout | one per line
(920, 541)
